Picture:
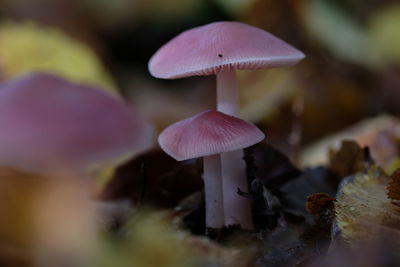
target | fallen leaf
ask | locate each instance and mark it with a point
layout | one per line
(380, 134)
(319, 203)
(394, 186)
(349, 159)
(28, 47)
(363, 210)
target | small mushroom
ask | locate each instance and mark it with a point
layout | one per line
(219, 49)
(206, 135)
(50, 125)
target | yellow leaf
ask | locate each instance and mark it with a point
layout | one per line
(363, 210)
(26, 47)
(384, 28)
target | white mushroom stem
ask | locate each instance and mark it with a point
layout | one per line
(237, 209)
(227, 92)
(213, 191)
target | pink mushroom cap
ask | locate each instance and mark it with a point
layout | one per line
(208, 133)
(49, 123)
(206, 49)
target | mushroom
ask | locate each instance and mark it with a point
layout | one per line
(206, 135)
(50, 125)
(219, 49)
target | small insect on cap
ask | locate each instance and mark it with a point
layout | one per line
(208, 133)
(205, 50)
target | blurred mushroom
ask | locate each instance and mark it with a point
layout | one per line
(50, 125)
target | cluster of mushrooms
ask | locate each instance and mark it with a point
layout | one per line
(82, 127)
(219, 136)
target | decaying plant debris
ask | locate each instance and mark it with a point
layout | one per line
(301, 218)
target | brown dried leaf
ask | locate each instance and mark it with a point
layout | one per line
(319, 203)
(312, 181)
(380, 134)
(349, 159)
(155, 179)
(394, 186)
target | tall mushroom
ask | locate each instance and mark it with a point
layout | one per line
(219, 49)
(206, 135)
(50, 125)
